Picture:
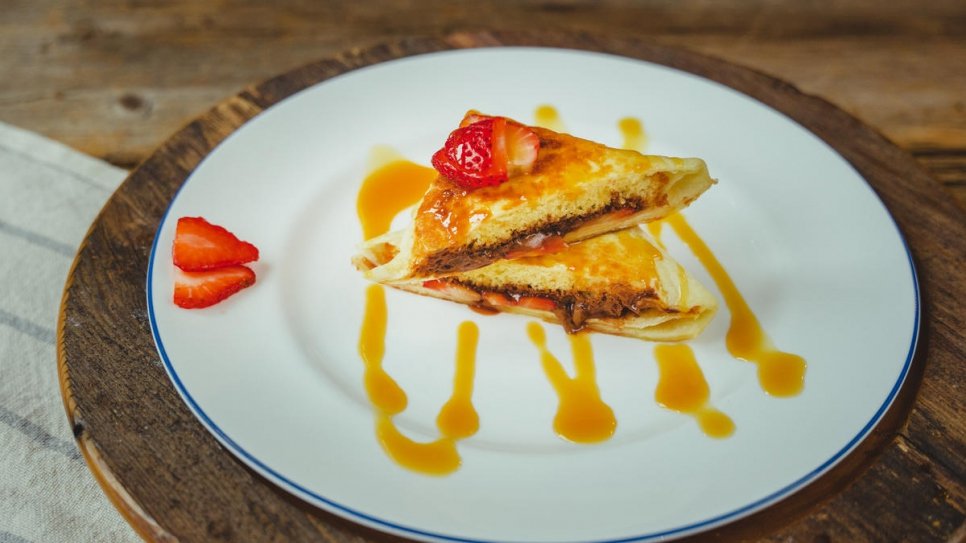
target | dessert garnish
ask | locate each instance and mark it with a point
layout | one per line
(194, 290)
(210, 259)
(200, 245)
(485, 151)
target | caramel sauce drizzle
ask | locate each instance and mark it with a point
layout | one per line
(547, 116)
(438, 457)
(681, 387)
(457, 419)
(635, 138)
(779, 373)
(385, 394)
(450, 221)
(387, 191)
(582, 417)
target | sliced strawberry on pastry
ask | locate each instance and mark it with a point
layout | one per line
(486, 151)
(508, 191)
(516, 143)
(469, 156)
(522, 145)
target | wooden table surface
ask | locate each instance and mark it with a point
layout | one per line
(114, 79)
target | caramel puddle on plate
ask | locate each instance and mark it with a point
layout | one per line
(383, 391)
(457, 419)
(779, 373)
(681, 387)
(546, 116)
(582, 417)
(632, 129)
(393, 185)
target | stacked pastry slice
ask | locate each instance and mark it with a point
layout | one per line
(552, 233)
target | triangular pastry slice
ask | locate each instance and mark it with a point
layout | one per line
(576, 189)
(620, 283)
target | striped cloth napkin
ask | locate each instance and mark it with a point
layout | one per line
(49, 195)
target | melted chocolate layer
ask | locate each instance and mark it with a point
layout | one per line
(470, 257)
(574, 308)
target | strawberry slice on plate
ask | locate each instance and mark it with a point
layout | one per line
(194, 290)
(200, 245)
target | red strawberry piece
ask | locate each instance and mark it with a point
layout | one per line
(485, 150)
(467, 157)
(534, 302)
(522, 145)
(520, 142)
(194, 290)
(497, 299)
(455, 292)
(200, 245)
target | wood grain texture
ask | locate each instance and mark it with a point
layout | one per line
(905, 483)
(114, 77)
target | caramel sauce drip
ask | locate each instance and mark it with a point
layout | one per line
(582, 417)
(635, 139)
(387, 191)
(398, 184)
(450, 218)
(457, 419)
(547, 116)
(681, 387)
(383, 391)
(779, 373)
(439, 457)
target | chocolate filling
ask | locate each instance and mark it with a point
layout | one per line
(574, 308)
(470, 257)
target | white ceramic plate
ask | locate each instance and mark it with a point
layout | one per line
(275, 375)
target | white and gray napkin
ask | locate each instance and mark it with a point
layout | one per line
(49, 195)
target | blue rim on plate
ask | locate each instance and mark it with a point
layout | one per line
(376, 522)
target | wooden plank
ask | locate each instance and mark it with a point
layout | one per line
(113, 78)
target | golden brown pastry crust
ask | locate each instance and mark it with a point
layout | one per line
(577, 189)
(619, 283)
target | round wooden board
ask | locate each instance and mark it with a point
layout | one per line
(173, 481)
